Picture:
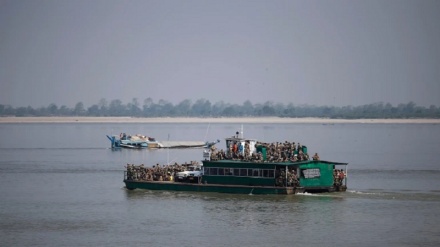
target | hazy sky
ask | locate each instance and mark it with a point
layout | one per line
(302, 52)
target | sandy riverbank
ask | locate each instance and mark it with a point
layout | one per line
(205, 120)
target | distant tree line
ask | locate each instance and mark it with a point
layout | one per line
(204, 108)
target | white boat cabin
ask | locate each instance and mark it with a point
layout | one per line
(240, 143)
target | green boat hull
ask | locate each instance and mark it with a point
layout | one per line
(219, 188)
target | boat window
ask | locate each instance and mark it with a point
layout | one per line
(228, 144)
(249, 173)
(255, 172)
(243, 172)
(236, 172)
(229, 171)
(271, 173)
(213, 171)
(221, 171)
(265, 173)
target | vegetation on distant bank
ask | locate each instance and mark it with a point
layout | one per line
(204, 108)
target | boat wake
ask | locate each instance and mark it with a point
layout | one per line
(362, 193)
(307, 194)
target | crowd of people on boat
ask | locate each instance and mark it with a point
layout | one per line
(124, 136)
(289, 180)
(275, 152)
(168, 172)
(338, 176)
(157, 172)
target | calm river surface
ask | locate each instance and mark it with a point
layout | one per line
(61, 185)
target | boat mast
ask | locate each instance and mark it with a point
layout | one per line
(168, 150)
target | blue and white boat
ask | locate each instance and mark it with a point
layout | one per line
(141, 141)
(132, 141)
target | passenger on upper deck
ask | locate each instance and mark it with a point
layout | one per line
(234, 148)
(275, 152)
(315, 157)
(247, 150)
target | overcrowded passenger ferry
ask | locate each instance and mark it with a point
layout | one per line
(245, 166)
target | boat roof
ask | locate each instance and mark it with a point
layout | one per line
(239, 139)
(286, 163)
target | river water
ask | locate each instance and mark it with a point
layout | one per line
(61, 185)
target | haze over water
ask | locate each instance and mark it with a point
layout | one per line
(61, 185)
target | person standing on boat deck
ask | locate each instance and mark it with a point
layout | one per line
(315, 157)
(341, 176)
(234, 149)
(295, 158)
(247, 150)
(337, 177)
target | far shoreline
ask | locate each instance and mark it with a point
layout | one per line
(239, 120)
